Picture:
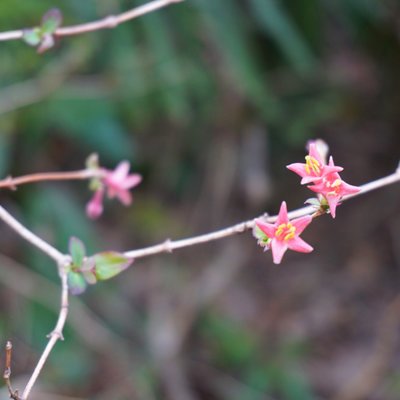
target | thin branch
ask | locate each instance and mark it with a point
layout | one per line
(105, 23)
(168, 246)
(7, 373)
(57, 332)
(32, 238)
(83, 174)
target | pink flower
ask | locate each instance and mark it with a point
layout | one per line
(333, 188)
(314, 169)
(118, 182)
(284, 234)
(95, 206)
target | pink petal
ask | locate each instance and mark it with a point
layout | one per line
(131, 181)
(297, 168)
(333, 203)
(268, 229)
(314, 153)
(282, 217)
(95, 206)
(301, 223)
(278, 248)
(348, 189)
(309, 179)
(317, 188)
(120, 172)
(112, 191)
(328, 169)
(124, 196)
(298, 244)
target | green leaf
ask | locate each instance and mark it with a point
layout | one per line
(262, 239)
(77, 251)
(76, 283)
(46, 43)
(313, 201)
(87, 270)
(51, 21)
(110, 263)
(32, 36)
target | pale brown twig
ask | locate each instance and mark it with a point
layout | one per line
(56, 334)
(168, 246)
(108, 22)
(12, 183)
(7, 373)
(63, 261)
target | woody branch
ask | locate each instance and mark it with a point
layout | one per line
(108, 22)
(63, 261)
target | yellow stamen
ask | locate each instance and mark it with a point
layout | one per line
(285, 232)
(313, 165)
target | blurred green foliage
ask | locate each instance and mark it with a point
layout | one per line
(159, 91)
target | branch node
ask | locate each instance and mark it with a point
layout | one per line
(7, 373)
(10, 184)
(111, 21)
(167, 246)
(57, 334)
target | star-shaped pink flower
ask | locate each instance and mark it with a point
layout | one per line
(314, 168)
(333, 188)
(118, 182)
(284, 234)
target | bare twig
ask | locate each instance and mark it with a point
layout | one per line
(63, 261)
(28, 235)
(7, 373)
(12, 183)
(57, 332)
(106, 23)
(168, 246)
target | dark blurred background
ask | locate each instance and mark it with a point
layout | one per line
(208, 100)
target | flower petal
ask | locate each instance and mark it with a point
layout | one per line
(278, 248)
(298, 244)
(282, 217)
(132, 181)
(95, 206)
(124, 196)
(268, 229)
(314, 153)
(333, 202)
(120, 172)
(297, 168)
(301, 223)
(348, 189)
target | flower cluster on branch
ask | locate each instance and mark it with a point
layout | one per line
(330, 189)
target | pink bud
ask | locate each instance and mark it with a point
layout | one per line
(95, 206)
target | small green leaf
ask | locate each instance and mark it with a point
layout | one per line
(92, 162)
(87, 270)
(76, 283)
(110, 263)
(262, 239)
(51, 21)
(313, 201)
(32, 36)
(77, 251)
(46, 43)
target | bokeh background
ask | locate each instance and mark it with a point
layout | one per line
(208, 100)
